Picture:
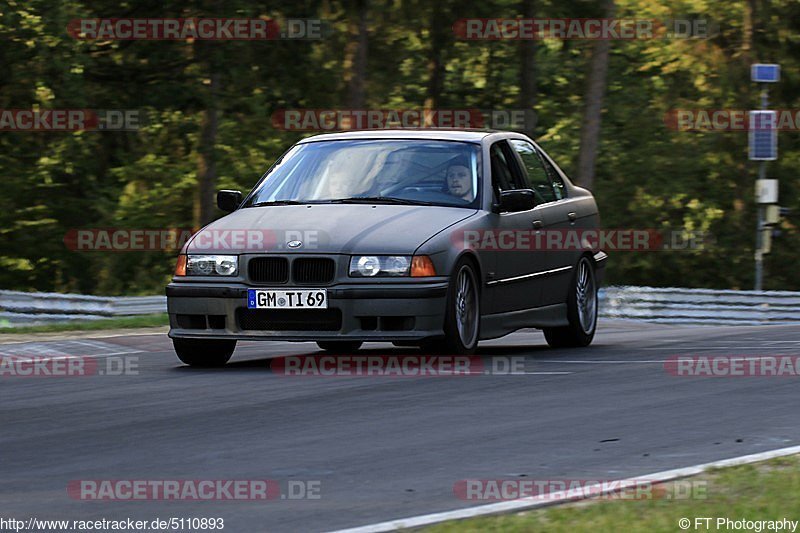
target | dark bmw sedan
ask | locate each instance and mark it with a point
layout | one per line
(436, 238)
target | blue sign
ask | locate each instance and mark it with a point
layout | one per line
(763, 136)
(765, 73)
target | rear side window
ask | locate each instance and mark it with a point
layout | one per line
(558, 182)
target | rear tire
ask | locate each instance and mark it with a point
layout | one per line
(206, 353)
(581, 310)
(340, 347)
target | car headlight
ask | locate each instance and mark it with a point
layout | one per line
(370, 266)
(211, 265)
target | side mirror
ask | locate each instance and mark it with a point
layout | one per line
(517, 200)
(229, 200)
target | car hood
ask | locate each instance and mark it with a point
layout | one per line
(326, 228)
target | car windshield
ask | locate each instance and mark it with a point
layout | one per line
(381, 171)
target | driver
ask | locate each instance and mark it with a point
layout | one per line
(459, 181)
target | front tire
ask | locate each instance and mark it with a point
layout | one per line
(581, 310)
(206, 353)
(340, 347)
(462, 312)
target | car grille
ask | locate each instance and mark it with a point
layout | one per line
(289, 319)
(313, 270)
(268, 270)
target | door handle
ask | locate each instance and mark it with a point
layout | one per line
(537, 224)
(572, 215)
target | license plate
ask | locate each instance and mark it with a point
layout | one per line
(287, 299)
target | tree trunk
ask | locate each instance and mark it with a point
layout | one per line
(355, 62)
(207, 163)
(527, 71)
(438, 26)
(595, 94)
(747, 31)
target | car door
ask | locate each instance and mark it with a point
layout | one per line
(514, 283)
(578, 213)
(556, 255)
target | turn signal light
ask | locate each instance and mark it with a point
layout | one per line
(180, 266)
(422, 266)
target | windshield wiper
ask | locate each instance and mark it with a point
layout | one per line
(378, 199)
(277, 202)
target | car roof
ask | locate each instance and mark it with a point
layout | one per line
(431, 134)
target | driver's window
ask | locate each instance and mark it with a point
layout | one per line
(536, 175)
(502, 178)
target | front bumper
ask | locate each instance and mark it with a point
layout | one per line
(391, 311)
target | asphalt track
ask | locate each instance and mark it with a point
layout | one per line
(380, 448)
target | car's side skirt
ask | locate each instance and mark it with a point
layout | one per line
(499, 324)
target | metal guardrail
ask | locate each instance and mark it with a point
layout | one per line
(700, 306)
(663, 305)
(31, 308)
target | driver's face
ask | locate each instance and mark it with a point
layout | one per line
(459, 182)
